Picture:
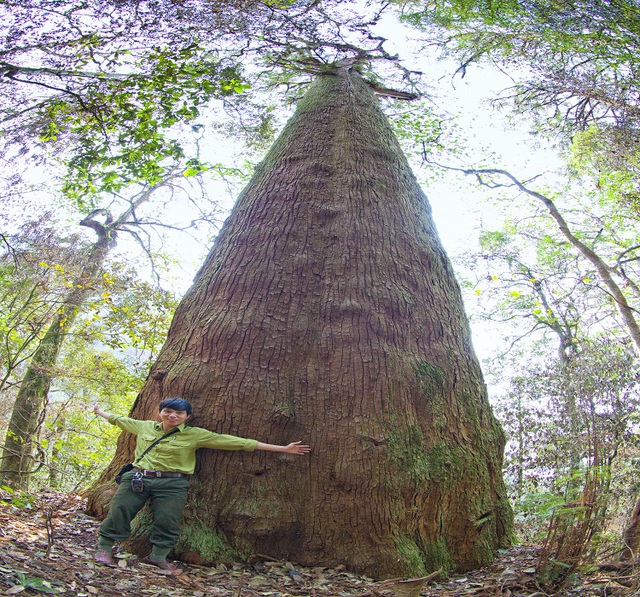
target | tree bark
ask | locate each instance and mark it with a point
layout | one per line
(631, 535)
(327, 311)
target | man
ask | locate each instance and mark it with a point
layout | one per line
(164, 459)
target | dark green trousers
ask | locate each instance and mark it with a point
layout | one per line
(168, 498)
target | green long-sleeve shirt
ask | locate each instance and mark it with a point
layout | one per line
(176, 453)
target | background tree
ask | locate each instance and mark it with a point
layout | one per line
(28, 410)
(574, 67)
(89, 280)
(33, 262)
(554, 413)
(539, 277)
(619, 279)
(105, 354)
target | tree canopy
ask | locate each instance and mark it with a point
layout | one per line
(116, 89)
(574, 64)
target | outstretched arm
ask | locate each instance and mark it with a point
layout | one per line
(292, 448)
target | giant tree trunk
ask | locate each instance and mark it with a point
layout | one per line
(328, 311)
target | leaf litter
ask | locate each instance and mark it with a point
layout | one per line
(47, 546)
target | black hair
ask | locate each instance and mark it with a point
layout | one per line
(175, 404)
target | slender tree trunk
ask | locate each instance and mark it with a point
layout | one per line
(328, 312)
(29, 410)
(54, 471)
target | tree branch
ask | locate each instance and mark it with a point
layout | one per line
(603, 270)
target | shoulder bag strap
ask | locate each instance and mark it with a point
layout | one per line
(174, 430)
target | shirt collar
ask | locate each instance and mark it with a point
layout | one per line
(158, 426)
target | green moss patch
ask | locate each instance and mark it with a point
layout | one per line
(406, 450)
(207, 543)
(430, 377)
(410, 555)
(437, 555)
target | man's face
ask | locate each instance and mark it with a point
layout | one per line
(171, 418)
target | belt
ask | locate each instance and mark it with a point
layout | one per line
(147, 473)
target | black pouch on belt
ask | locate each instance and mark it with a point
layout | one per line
(125, 469)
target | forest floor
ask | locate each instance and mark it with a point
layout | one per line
(47, 544)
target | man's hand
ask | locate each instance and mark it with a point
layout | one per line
(297, 448)
(98, 411)
(292, 448)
